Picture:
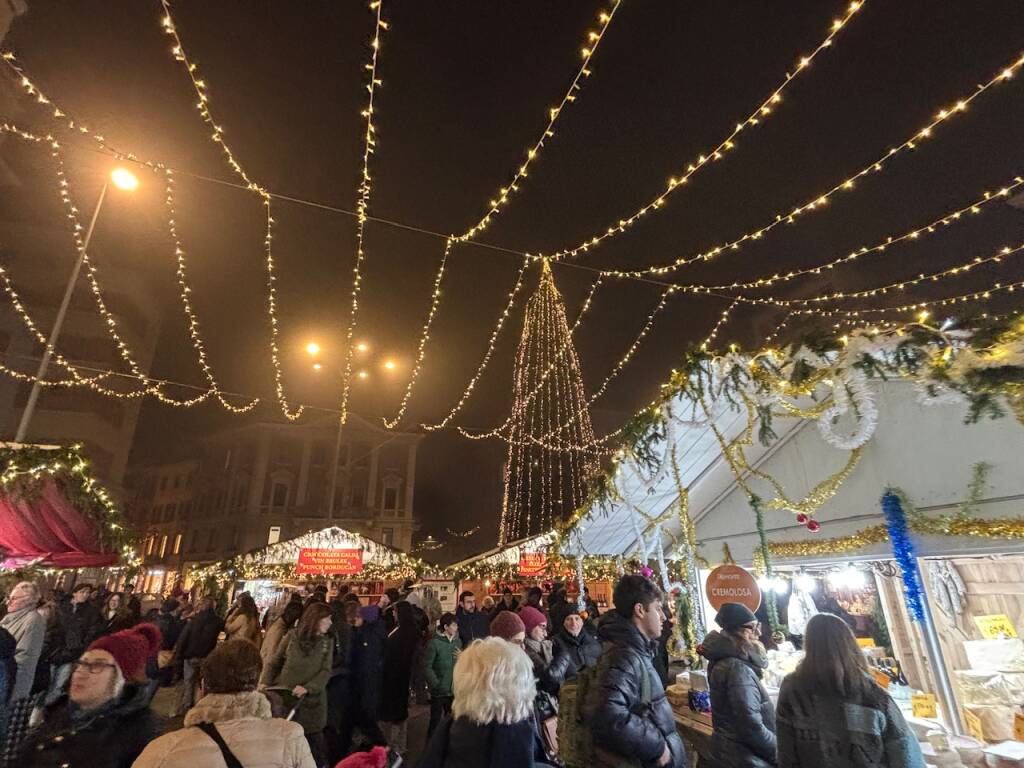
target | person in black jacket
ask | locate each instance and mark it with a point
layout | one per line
(744, 721)
(80, 620)
(626, 710)
(104, 720)
(508, 602)
(366, 677)
(473, 624)
(197, 639)
(575, 649)
(342, 631)
(399, 650)
(170, 629)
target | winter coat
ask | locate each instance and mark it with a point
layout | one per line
(462, 743)
(29, 630)
(472, 626)
(439, 663)
(81, 625)
(122, 619)
(744, 719)
(242, 627)
(571, 654)
(500, 606)
(308, 664)
(818, 728)
(244, 722)
(110, 737)
(558, 608)
(399, 649)
(8, 669)
(618, 721)
(272, 639)
(199, 636)
(368, 667)
(170, 630)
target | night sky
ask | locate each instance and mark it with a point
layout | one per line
(466, 89)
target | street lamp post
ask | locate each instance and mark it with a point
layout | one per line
(123, 179)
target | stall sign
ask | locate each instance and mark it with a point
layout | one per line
(732, 584)
(973, 724)
(924, 705)
(533, 564)
(329, 562)
(995, 627)
(866, 642)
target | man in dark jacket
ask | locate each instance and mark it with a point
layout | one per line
(575, 649)
(626, 710)
(80, 621)
(473, 624)
(197, 639)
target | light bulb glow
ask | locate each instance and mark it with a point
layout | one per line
(124, 179)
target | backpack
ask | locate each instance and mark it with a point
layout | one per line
(576, 748)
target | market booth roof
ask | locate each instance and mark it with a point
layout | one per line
(52, 512)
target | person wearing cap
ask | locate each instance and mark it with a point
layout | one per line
(104, 720)
(508, 602)
(367, 677)
(232, 708)
(509, 627)
(438, 666)
(574, 648)
(538, 648)
(625, 707)
(744, 722)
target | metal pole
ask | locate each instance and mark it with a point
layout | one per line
(937, 660)
(334, 469)
(51, 343)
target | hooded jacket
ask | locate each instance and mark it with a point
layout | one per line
(439, 663)
(619, 723)
(245, 723)
(744, 719)
(110, 737)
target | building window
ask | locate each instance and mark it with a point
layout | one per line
(211, 540)
(387, 536)
(177, 543)
(319, 454)
(195, 540)
(169, 512)
(177, 481)
(163, 545)
(358, 497)
(279, 497)
(150, 543)
(185, 511)
(390, 499)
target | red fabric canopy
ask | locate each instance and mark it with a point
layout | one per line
(50, 528)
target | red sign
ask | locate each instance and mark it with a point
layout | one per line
(732, 584)
(329, 562)
(533, 564)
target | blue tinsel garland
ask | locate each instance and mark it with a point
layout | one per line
(903, 549)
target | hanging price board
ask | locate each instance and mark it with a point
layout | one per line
(866, 642)
(995, 626)
(924, 705)
(973, 725)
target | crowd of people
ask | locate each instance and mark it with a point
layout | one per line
(530, 681)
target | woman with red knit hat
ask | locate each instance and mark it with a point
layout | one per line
(104, 720)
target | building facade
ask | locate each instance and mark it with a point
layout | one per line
(263, 482)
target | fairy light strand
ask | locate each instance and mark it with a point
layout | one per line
(756, 117)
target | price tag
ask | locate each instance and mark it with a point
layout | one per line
(881, 678)
(924, 705)
(973, 724)
(1018, 726)
(866, 642)
(995, 626)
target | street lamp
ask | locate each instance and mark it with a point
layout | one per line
(125, 180)
(389, 364)
(313, 348)
(362, 346)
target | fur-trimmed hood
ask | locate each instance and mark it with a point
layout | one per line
(219, 707)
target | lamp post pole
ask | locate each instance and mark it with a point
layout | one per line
(33, 397)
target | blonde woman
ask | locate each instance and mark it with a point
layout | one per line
(490, 723)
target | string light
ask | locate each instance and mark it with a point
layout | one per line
(722, 320)
(756, 117)
(362, 206)
(820, 201)
(976, 207)
(217, 136)
(594, 38)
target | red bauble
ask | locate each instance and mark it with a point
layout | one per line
(801, 518)
(813, 526)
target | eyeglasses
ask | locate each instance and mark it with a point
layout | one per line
(93, 667)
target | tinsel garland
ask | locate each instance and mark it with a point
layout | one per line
(903, 550)
(769, 599)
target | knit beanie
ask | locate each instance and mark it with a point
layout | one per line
(131, 648)
(733, 615)
(532, 618)
(507, 625)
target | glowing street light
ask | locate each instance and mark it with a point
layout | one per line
(124, 179)
(313, 348)
(317, 366)
(363, 375)
(389, 364)
(362, 346)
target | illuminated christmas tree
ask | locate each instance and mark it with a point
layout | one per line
(551, 448)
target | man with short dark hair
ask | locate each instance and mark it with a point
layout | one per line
(80, 624)
(626, 710)
(473, 624)
(197, 639)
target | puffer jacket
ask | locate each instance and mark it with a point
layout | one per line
(813, 729)
(743, 716)
(619, 723)
(110, 737)
(244, 722)
(573, 654)
(439, 663)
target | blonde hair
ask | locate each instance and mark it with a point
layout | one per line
(493, 682)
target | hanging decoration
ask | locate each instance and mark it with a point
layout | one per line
(765, 568)
(581, 597)
(949, 589)
(903, 549)
(544, 486)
